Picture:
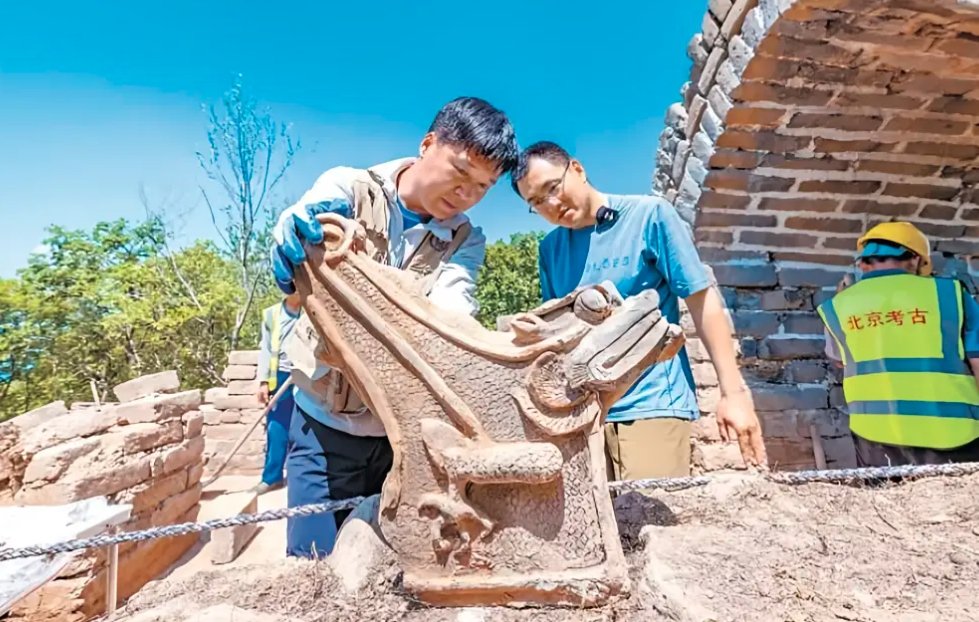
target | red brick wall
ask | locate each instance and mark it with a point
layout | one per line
(804, 123)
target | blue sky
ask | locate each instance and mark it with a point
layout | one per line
(98, 99)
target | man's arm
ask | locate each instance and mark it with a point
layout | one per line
(670, 241)
(264, 361)
(736, 416)
(297, 224)
(455, 287)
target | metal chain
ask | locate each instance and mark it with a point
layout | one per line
(669, 484)
(179, 529)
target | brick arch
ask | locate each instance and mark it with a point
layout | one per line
(803, 123)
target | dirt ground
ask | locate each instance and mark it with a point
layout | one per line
(739, 549)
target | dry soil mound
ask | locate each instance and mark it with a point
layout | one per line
(741, 548)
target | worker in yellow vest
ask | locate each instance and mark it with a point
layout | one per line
(274, 367)
(909, 346)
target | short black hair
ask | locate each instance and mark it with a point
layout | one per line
(543, 149)
(478, 126)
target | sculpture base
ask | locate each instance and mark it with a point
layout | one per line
(587, 587)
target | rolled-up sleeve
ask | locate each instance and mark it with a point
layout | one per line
(455, 287)
(669, 243)
(336, 183)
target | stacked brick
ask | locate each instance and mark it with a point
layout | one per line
(804, 123)
(228, 413)
(146, 452)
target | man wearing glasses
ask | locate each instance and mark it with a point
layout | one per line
(638, 243)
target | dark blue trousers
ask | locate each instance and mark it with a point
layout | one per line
(325, 464)
(277, 434)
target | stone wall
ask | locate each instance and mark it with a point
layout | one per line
(146, 452)
(228, 412)
(804, 123)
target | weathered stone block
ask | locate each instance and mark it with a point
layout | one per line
(711, 123)
(719, 8)
(756, 323)
(745, 275)
(786, 454)
(239, 372)
(710, 29)
(696, 51)
(174, 508)
(169, 460)
(231, 402)
(243, 387)
(707, 399)
(782, 348)
(214, 393)
(805, 372)
(140, 437)
(243, 357)
(809, 277)
(193, 423)
(837, 399)
(778, 424)
(48, 464)
(231, 416)
(156, 408)
(38, 416)
(829, 423)
(714, 60)
(194, 474)
(705, 429)
(735, 18)
(840, 452)
(162, 382)
(740, 54)
(81, 482)
(778, 397)
(148, 495)
(802, 324)
(360, 554)
(66, 427)
(225, 544)
(785, 299)
(704, 375)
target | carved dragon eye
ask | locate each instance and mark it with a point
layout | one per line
(593, 305)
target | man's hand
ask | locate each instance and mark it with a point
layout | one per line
(736, 418)
(296, 226)
(263, 393)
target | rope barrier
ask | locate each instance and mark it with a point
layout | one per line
(670, 484)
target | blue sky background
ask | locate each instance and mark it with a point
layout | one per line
(97, 99)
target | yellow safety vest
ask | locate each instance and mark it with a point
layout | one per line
(906, 378)
(273, 315)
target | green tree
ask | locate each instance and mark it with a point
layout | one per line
(110, 304)
(508, 282)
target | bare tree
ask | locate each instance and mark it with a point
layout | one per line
(248, 154)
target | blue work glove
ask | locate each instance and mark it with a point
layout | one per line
(296, 226)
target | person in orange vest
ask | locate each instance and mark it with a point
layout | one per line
(908, 343)
(274, 367)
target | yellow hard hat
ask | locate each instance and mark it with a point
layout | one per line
(903, 234)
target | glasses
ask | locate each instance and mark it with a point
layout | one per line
(556, 188)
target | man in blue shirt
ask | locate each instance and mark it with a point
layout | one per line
(637, 243)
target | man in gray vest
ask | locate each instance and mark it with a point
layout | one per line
(414, 208)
